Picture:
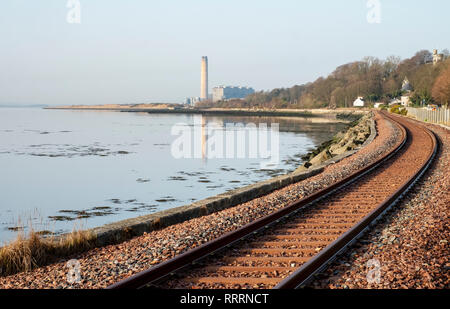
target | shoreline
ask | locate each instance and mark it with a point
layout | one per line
(341, 115)
(123, 230)
(106, 265)
(270, 184)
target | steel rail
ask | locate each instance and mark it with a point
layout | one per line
(159, 271)
(317, 263)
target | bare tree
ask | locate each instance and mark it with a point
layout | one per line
(441, 88)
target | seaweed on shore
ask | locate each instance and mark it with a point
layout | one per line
(166, 199)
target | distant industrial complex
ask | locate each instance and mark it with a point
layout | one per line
(220, 93)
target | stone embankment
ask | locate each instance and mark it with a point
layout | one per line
(342, 144)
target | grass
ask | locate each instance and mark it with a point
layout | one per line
(28, 252)
(396, 109)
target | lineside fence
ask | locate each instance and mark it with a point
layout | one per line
(439, 115)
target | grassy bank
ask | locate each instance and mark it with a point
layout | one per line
(29, 251)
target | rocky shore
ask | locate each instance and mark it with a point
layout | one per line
(341, 143)
(101, 267)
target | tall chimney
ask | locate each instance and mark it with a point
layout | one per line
(204, 79)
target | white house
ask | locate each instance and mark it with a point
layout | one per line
(359, 102)
(405, 100)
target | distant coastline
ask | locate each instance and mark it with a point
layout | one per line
(23, 106)
(341, 115)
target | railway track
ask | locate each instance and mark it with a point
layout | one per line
(285, 249)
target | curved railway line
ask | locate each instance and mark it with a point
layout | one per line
(285, 249)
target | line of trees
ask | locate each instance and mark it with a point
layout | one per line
(374, 79)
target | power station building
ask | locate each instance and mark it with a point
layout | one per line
(226, 93)
(219, 93)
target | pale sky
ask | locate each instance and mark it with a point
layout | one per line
(130, 51)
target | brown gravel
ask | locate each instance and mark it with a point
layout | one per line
(103, 266)
(411, 243)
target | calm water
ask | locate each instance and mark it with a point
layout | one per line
(65, 169)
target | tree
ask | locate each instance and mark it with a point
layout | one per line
(332, 102)
(421, 57)
(421, 98)
(446, 53)
(372, 78)
(391, 65)
(441, 88)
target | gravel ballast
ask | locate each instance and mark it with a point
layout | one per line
(409, 248)
(103, 266)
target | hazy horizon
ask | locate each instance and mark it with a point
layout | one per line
(150, 51)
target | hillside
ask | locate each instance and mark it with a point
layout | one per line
(374, 79)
